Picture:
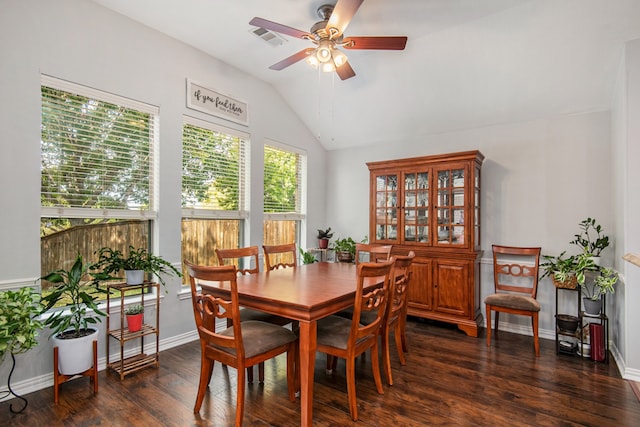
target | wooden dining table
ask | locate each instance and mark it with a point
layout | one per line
(304, 293)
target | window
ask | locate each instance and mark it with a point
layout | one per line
(215, 188)
(97, 173)
(284, 199)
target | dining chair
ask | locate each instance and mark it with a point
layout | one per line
(515, 277)
(248, 258)
(280, 256)
(396, 316)
(348, 338)
(376, 252)
(241, 345)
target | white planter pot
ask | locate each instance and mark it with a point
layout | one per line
(75, 355)
(134, 277)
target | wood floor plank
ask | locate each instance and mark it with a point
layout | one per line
(449, 380)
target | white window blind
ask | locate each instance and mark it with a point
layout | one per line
(97, 153)
(284, 170)
(215, 172)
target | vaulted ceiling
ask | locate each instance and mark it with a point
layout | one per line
(467, 63)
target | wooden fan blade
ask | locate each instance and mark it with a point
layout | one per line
(279, 28)
(342, 14)
(345, 71)
(293, 59)
(382, 43)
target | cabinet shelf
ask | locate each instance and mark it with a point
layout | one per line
(124, 366)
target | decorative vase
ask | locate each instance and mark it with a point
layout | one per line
(134, 277)
(591, 306)
(75, 355)
(134, 322)
(323, 243)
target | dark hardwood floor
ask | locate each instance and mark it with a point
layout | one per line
(450, 379)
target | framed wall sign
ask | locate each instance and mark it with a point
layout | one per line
(206, 100)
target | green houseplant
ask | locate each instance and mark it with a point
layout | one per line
(19, 325)
(345, 249)
(70, 328)
(111, 261)
(323, 238)
(591, 239)
(602, 284)
(567, 272)
(307, 257)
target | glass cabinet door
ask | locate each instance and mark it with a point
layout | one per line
(450, 206)
(416, 207)
(386, 207)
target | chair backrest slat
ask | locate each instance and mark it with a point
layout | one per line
(280, 256)
(515, 269)
(376, 253)
(208, 308)
(239, 256)
(373, 299)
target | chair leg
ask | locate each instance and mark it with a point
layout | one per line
(399, 336)
(488, 310)
(261, 372)
(386, 358)
(292, 384)
(375, 366)
(351, 387)
(250, 374)
(403, 333)
(534, 324)
(240, 396)
(206, 367)
(497, 322)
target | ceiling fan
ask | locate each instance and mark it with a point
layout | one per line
(328, 36)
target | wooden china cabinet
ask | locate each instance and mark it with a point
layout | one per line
(431, 205)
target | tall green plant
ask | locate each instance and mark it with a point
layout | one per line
(82, 307)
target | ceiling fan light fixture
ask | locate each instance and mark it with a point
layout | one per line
(323, 52)
(313, 61)
(328, 67)
(339, 58)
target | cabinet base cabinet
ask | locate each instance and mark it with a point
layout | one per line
(445, 290)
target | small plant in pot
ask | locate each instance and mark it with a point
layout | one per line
(135, 317)
(138, 260)
(602, 284)
(307, 257)
(323, 238)
(70, 328)
(345, 249)
(567, 272)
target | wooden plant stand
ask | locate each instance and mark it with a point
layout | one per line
(59, 378)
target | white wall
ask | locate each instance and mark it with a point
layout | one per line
(87, 44)
(630, 133)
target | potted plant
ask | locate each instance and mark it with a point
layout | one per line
(345, 249)
(135, 316)
(307, 257)
(323, 238)
(70, 329)
(591, 239)
(602, 284)
(561, 270)
(138, 260)
(19, 325)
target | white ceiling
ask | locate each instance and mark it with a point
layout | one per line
(467, 64)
